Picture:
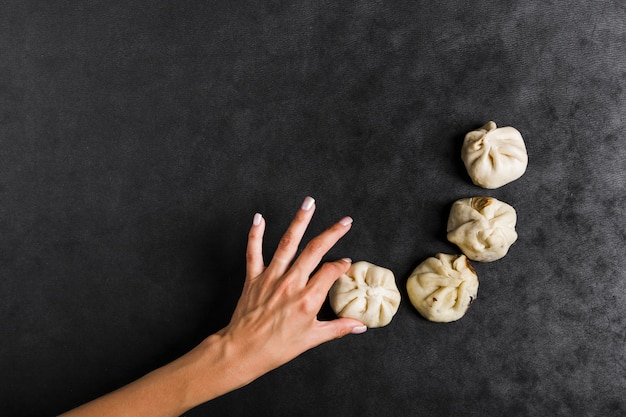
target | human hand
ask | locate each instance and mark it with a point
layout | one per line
(276, 317)
(275, 320)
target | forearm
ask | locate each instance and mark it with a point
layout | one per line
(204, 373)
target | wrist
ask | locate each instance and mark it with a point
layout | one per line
(214, 368)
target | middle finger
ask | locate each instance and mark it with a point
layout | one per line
(288, 245)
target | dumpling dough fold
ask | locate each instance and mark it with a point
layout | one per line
(442, 287)
(494, 156)
(367, 293)
(483, 227)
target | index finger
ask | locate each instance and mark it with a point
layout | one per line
(315, 250)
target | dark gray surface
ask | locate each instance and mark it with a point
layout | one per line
(137, 139)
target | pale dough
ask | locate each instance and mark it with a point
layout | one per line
(494, 156)
(367, 293)
(442, 287)
(483, 227)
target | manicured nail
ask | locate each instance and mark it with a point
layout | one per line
(347, 260)
(346, 221)
(256, 220)
(307, 203)
(359, 329)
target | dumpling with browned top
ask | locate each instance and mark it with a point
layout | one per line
(483, 227)
(442, 287)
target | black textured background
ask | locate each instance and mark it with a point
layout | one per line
(138, 138)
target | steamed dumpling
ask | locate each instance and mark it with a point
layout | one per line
(494, 156)
(483, 227)
(367, 293)
(442, 287)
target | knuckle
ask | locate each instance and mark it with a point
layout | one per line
(286, 241)
(338, 332)
(331, 268)
(309, 306)
(317, 246)
(250, 257)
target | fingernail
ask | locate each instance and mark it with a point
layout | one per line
(346, 221)
(307, 203)
(347, 260)
(359, 329)
(256, 220)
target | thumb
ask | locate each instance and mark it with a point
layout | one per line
(338, 328)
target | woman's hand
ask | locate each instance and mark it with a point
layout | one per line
(275, 320)
(276, 317)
